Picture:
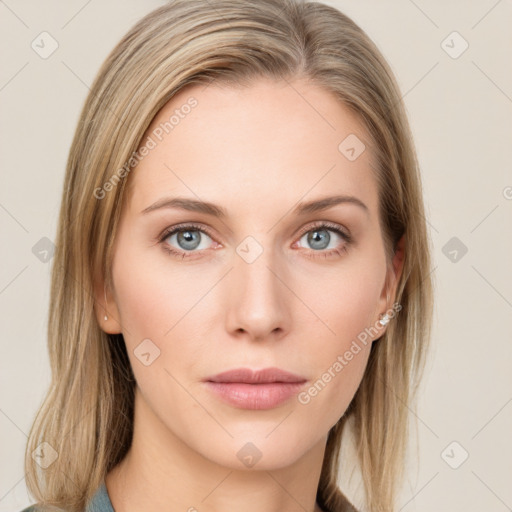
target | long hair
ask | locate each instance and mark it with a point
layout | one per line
(86, 418)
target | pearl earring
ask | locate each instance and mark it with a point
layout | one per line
(384, 319)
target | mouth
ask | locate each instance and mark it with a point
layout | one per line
(248, 376)
(255, 390)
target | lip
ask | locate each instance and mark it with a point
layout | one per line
(262, 389)
(248, 376)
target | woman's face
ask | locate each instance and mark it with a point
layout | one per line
(264, 284)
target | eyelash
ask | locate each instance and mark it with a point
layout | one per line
(319, 225)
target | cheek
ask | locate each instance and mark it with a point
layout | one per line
(167, 305)
(345, 299)
(153, 296)
(342, 329)
(155, 307)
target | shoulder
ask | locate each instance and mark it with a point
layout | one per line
(100, 502)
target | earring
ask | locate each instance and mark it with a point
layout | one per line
(384, 320)
(105, 317)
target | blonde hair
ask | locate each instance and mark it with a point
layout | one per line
(87, 415)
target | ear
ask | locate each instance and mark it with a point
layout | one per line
(105, 306)
(388, 295)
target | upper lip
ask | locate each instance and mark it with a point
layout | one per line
(248, 376)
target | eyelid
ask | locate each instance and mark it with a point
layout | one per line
(206, 229)
(183, 227)
(326, 224)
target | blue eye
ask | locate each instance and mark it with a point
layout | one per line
(319, 239)
(190, 239)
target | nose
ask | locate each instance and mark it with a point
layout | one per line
(258, 299)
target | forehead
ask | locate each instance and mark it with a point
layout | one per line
(269, 141)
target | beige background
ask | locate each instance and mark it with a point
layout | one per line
(461, 114)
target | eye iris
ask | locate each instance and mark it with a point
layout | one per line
(188, 239)
(318, 238)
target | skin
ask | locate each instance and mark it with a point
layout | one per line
(257, 152)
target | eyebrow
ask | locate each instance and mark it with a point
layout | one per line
(194, 205)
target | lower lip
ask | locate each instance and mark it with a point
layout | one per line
(255, 396)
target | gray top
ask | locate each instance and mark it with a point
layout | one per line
(100, 502)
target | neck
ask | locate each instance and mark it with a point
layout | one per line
(161, 472)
